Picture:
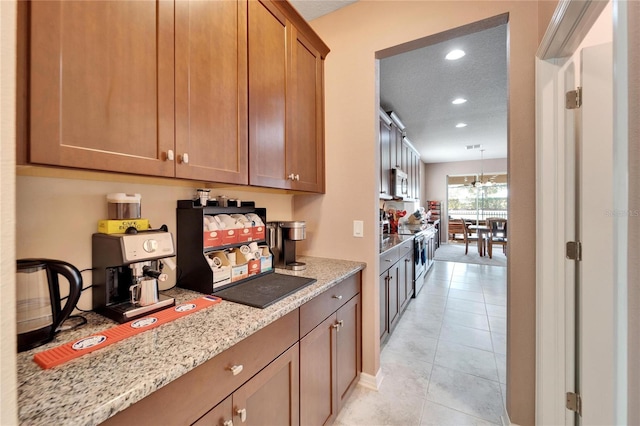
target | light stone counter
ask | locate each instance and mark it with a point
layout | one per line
(96, 386)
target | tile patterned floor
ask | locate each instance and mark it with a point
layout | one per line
(445, 362)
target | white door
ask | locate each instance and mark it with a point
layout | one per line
(595, 350)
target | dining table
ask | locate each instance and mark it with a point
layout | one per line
(481, 231)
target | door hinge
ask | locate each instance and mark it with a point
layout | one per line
(574, 250)
(573, 99)
(574, 402)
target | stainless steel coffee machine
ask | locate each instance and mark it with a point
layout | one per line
(126, 271)
(282, 237)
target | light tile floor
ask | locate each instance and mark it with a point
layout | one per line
(445, 362)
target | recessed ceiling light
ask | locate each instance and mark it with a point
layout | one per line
(459, 125)
(455, 54)
(458, 101)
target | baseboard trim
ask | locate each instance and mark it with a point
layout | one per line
(505, 420)
(371, 382)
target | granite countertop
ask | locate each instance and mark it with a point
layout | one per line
(392, 240)
(94, 387)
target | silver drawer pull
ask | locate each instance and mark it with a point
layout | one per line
(336, 326)
(236, 369)
(242, 413)
(337, 297)
(228, 423)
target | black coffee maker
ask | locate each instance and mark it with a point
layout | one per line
(38, 306)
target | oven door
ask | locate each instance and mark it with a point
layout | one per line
(419, 262)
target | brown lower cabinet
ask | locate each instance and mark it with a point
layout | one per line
(396, 285)
(297, 370)
(271, 397)
(330, 364)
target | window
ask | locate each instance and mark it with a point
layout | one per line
(476, 203)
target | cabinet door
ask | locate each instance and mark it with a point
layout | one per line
(349, 348)
(394, 308)
(395, 153)
(384, 305)
(385, 158)
(416, 175)
(408, 277)
(267, 95)
(318, 397)
(101, 85)
(211, 91)
(220, 415)
(272, 396)
(402, 282)
(305, 132)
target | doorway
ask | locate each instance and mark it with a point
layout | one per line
(400, 92)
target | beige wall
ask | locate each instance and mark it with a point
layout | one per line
(56, 216)
(8, 393)
(546, 9)
(354, 34)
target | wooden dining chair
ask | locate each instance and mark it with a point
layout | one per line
(465, 233)
(497, 234)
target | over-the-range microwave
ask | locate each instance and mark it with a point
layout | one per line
(399, 184)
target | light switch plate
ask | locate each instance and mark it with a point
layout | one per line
(358, 228)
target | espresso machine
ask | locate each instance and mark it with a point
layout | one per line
(281, 238)
(126, 271)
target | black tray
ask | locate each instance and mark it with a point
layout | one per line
(265, 290)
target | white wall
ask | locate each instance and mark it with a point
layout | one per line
(8, 393)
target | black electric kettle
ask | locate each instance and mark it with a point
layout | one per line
(38, 306)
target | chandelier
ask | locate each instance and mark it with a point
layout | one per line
(480, 182)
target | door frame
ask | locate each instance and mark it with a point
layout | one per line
(570, 23)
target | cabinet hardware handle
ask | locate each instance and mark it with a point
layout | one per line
(339, 297)
(292, 176)
(185, 158)
(242, 413)
(236, 369)
(390, 277)
(388, 260)
(297, 177)
(341, 323)
(170, 155)
(228, 423)
(336, 326)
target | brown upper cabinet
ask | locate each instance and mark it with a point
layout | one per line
(286, 102)
(163, 89)
(101, 85)
(396, 151)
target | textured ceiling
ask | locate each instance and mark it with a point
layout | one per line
(419, 86)
(312, 9)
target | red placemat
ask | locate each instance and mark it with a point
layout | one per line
(63, 353)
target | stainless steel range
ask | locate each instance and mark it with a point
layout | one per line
(421, 258)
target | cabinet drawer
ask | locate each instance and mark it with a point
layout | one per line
(316, 310)
(405, 247)
(189, 397)
(388, 258)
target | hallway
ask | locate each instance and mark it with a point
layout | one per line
(445, 363)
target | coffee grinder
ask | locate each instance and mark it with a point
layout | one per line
(281, 238)
(126, 271)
